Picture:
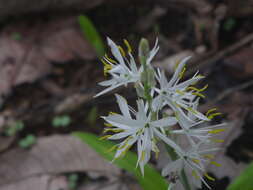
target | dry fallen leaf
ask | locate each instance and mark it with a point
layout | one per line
(50, 156)
(27, 59)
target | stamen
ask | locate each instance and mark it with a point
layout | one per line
(110, 59)
(108, 125)
(105, 137)
(217, 140)
(214, 115)
(143, 154)
(129, 49)
(209, 156)
(209, 177)
(211, 110)
(198, 94)
(122, 51)
(215, 163)
(196, 161)
(180, 92)
(112, 148)
(194, 173)
(216, 131)
(181, 74)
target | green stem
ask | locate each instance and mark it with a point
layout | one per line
(183, 177)
(185, 180)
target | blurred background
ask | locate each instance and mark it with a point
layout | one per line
(50, 67)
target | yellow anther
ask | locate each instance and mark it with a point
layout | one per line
(196, 161)
(123, 146)
(124, 152)
(199, 75)
(110, 59)
(177, 116)
(122, 51)
(112, 113)
(112, 148)
(107, 67)
(180, 92)
(194, 173)
(181, 74)
(192, 88)
(216, 131)
(204, 88)
(143, 154)
(210, 111)
(209, 177)
(129, 49)
(176, 65)
(214, 115)
(105, 137)
(113, 130)
(215, 163)
(209, 156)
(198, 94)
(108, 125)
(217, 140)
(191, 110)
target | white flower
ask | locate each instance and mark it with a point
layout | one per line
(181, 97)
(193, 161)
(123, 70)
(139, 129)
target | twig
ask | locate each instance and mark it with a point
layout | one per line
(219, 55)
(229, 91)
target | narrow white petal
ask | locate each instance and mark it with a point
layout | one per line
(108, 90)
(168, 141)
(169, 121)
(123, 106)
(178, 71)
(115, 51)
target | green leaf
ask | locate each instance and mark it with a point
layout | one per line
(28, 141)
(92, 35)
(244, 181)
(61, 121)
(151, 180)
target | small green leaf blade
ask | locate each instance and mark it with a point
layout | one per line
(152, 179)
(92, 35)
(244, 181)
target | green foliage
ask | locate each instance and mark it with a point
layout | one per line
(244, 181)
(61, 121)
(14, 128)
(229, 24)
(92, 116)
(92, 35)
(72, 181)
(28, 141)
(152, 179)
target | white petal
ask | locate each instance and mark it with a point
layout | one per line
(122, 122)
(115, 51)
(123, 106)
(108, 89)
(187, 83)
(178, 71)
(169, 121)
(168, 141)
(175, 166)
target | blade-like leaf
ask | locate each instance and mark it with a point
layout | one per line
(244, 181)
(152, 179)
(92, 35)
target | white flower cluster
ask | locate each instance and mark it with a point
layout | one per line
(144, 125)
